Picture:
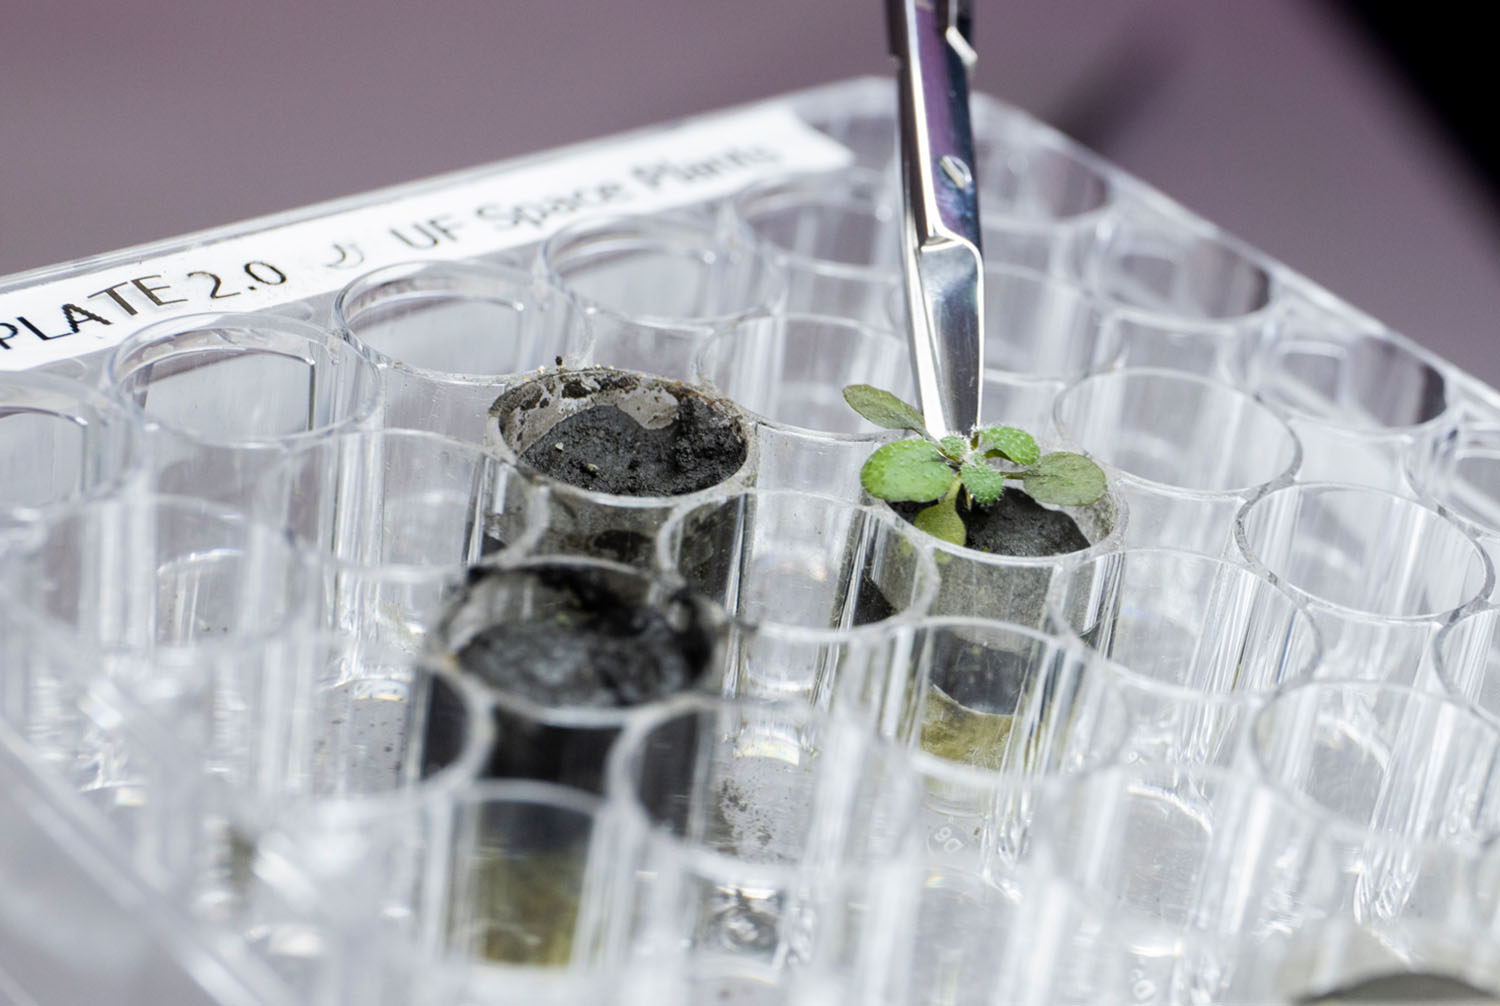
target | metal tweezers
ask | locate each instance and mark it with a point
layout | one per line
(942, 258)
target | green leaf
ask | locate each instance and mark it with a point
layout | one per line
(1066, 479)
(883, 408)
(941, 520)
(984, 483)
(910, 470)
(1010, 443)
(954, 446)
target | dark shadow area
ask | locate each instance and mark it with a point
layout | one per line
(1446, 64)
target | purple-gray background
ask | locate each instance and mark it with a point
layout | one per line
(123, 123)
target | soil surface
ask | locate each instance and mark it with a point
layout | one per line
(1015, 524)
(580, 660)
(603, 449)
(602, 654)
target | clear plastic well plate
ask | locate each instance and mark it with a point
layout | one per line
(1237, 745)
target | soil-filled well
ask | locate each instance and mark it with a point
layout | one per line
(583, 647)
(600, 651)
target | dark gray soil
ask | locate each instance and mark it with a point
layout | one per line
(1015, 524)
(582, 661)
(603, 449)
(871, 605)
(605, 654)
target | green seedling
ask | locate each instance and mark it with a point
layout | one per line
(976, 466)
